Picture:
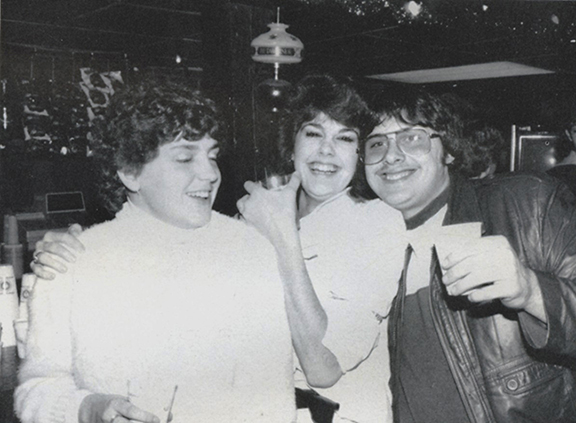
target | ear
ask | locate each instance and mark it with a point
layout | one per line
(130, 180)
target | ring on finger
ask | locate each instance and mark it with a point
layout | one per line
(35, 256)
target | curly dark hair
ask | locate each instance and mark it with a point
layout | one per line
(464, 134)
(315, 94)
(142, 117)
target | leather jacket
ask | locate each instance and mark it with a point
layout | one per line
(508, 366)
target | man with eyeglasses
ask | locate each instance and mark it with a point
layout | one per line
(483, 328)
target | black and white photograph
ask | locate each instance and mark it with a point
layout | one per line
(288, 211)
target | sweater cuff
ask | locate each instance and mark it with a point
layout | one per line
(71, 414)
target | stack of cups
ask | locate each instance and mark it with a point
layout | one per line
(8, 304)
(21, 324)
(12, 250)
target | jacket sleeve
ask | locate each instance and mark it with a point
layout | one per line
(556, 271)
(47, 391)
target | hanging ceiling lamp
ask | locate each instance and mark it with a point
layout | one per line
(277, 47)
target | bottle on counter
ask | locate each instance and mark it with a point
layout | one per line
(28, 281)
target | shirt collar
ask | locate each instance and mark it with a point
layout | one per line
(328, 201)
(428, 211)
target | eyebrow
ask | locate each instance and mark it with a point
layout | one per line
(315, 125)
(381, 134)
(318, 126)
(349, 130)
(193, 145)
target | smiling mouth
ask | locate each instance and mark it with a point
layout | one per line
(323, 168)
(397, 176)
(202, 195)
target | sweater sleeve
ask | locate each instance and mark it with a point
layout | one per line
(47, 391)
(558, 279)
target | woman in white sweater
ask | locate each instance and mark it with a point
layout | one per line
(175, 312)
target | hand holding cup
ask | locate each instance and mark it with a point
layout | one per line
(489, 269)
(112, 409)
(271, 211)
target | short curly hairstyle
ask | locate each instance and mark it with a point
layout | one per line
(315, 94)
(140, 118)
(464, 134)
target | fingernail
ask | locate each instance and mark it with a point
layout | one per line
(70, 258)
(62, 269)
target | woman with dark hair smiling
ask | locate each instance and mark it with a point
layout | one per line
(351, 250)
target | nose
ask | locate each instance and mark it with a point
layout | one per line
(207, 169)
(393, 154)
(327, 146)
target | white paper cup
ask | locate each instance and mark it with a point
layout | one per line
(8, 304)
(455, 238)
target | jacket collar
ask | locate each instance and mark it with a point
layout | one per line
(463, 206)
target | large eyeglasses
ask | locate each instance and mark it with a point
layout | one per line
(413, 141)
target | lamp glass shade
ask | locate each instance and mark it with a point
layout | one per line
(277, 46)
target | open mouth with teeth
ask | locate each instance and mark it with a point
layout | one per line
(202, 195)
(397, 176)
(323, 168)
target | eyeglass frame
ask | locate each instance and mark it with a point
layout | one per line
(362, 152)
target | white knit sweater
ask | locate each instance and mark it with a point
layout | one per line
(150, 306)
